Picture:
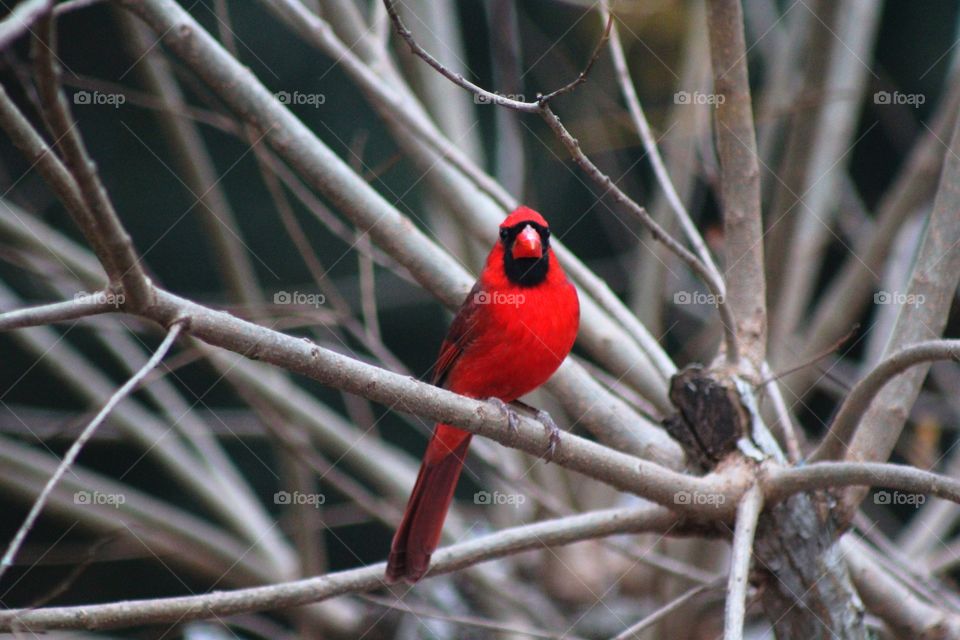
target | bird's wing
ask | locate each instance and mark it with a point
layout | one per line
(461, 333)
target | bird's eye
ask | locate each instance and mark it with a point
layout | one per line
(504, 233)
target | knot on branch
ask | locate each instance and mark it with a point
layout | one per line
(710, 418)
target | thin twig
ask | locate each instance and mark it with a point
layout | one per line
(582, 77)
(541, 107)
(633, 631)
(650, 146)
(75, 448)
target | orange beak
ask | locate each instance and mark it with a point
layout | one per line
(527, 244)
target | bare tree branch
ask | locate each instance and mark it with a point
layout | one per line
(87, 304)
(739, 179)
(633, 630)
(542, 108)
(81, 440)
(280, 596)
(122, 263)
(932, 288)
(650, 146)
(748, 512)
(852, 411)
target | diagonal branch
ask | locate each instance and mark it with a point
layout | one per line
(85, 436)
(117, 252)
(653, 152)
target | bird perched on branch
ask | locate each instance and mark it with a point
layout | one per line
(514, 329)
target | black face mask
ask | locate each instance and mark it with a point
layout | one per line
(526, 272)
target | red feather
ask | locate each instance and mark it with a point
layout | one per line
(505, 341)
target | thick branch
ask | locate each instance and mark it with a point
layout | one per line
(739, 178)
(781, 482)
(403, 393)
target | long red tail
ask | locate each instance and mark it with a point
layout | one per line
(419, 531)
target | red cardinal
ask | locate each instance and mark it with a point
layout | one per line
(512, 332)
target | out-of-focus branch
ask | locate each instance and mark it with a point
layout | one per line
(193, 160)
(854, 407)
(280, 596)
(850, 291)
(21, 18)
(933, 284)
(631, 632)
(846, 75)
(896, 604)
(81, 440)
(739, 179)
(650, 146)
(748, 512)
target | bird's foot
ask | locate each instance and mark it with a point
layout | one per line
(507, 410)
(553, 433)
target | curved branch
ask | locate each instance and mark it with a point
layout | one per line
(858, 400)
(280, 596)
(780, 482)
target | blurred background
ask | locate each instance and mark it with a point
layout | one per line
(311, 274)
